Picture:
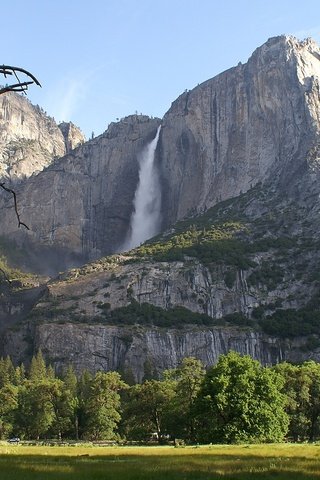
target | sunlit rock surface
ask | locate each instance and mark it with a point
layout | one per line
(257, 122)
(254, 123)
(29, 139)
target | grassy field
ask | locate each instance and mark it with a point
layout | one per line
(245, 462)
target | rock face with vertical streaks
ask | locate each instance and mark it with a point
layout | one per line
(30, 139)
(257, 122)
(254, 123)
(72, 323)
(82, 203)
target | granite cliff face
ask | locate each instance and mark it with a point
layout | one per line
(100, 317)
(73, 137)
(30, 139)
(143, 352)
(243, 149)
(254, 123)
(257, 122)
(82, 203)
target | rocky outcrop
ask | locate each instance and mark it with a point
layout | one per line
(188, 284)
(30, 139)
(16, 304)
(73, 137)
(146, 352)
(82, 203)
(253, 123)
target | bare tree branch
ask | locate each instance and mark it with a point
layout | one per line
(16, 87)
(21, 86)
(7, 70)
(9, 190)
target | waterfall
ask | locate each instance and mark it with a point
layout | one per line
(145, 219)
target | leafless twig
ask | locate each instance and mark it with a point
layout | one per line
(7, 70)
(9, 190)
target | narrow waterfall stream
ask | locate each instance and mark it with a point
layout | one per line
(145, 219)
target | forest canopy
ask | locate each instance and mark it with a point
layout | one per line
(237, 400)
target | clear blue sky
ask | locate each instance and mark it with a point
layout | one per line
(100, 60)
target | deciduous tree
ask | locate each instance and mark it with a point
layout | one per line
(8, 407)
(188, 376)
(149, 409)
(302, 389)
(240, 401)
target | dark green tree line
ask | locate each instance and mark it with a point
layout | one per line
(237, 400)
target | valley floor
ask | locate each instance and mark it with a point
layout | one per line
(243, 462)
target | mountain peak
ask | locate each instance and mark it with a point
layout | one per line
(256, 123)
(286, 48)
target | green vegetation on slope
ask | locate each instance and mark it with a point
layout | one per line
(290, 323)
(272, 249)
(132, 314)
(10, 257)
(217, 244)
(13, 277)
(283, 323)
(147, 314)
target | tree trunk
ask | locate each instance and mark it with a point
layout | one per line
(76, 427)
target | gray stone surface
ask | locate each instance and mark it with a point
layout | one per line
(141, 351)
(68, 324)
(257, 122)
(29, 138)
(250, 124)
(82, 202)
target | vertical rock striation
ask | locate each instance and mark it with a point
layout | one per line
(82, 203)
(142, 351)
(257, 122)
(254, 123)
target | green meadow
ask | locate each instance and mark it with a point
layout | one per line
(243, 462)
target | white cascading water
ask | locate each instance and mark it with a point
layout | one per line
(145, 220)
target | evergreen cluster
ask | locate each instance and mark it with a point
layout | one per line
(237, 400)
(217, 243)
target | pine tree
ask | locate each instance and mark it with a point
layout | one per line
(19, 374)
(38, 369)
(70, 400)
(7, 371)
